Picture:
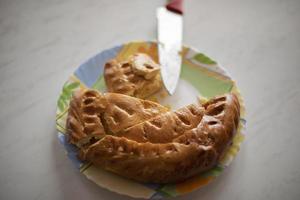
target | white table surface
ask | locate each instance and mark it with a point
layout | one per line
(42, 43)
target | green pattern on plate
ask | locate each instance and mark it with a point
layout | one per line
(216, 171)
(208, 86)
(169, 189)
(66, 94)
(200, 57)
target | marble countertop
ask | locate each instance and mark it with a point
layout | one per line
(42, 42)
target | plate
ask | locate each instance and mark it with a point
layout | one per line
(201, 78)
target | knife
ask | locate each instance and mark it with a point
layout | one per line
(170, 43)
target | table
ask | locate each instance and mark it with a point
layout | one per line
(42, 42)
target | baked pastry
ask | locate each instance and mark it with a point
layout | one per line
(164, 147)
(93, 115)
(139, 76)
(166, 126)
(83, 122)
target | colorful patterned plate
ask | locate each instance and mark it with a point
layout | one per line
(201, 77)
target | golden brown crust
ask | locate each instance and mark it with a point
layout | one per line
(83, 122)
(165, 127)
(124, 111)
(138, 76)
(147, 162)
(92, 114)
(144, 66)
(165, 155)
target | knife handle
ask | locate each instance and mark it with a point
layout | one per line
(175, 6)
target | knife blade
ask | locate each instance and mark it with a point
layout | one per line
(170, 43)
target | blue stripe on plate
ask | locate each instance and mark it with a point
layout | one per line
(157, 195)
(89, 71)
(72, 150)
(153, 186)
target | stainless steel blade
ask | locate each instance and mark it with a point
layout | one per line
(169, 47)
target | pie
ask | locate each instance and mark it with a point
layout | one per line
(139, 76)
(143, 141)
(92, 115)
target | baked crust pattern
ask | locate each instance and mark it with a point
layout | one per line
(139, 76)
(142, 140)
